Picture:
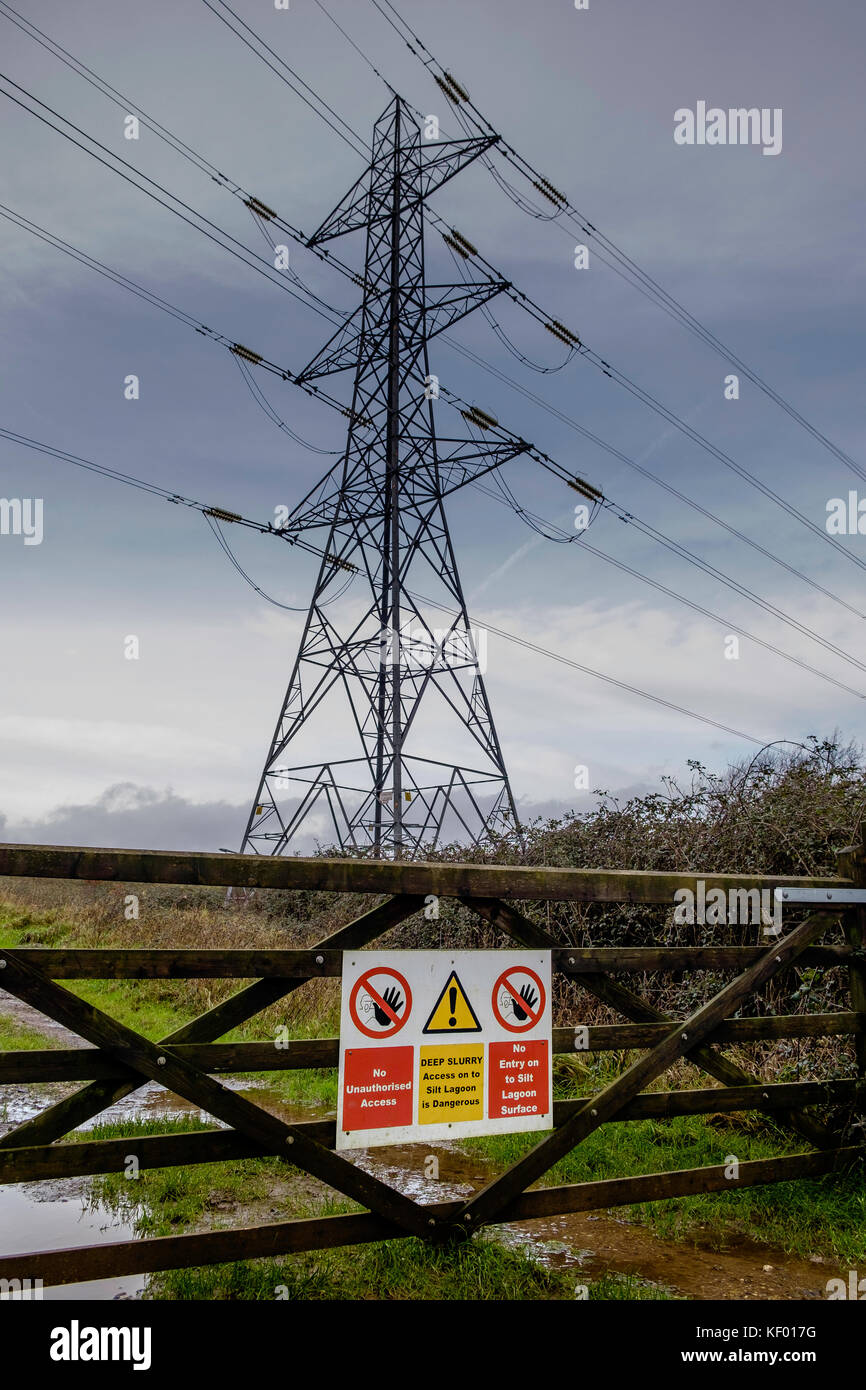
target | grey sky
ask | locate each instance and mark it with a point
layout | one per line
(767, 251)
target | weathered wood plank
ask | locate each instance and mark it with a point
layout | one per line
(585, 960)
(374, 876)
(718, 1099)
(94, 1064)
(613, 1037)
(683, 1182)
(163, 964)
(91, 1063)
(681, 1040)
(91, 1156)
(853, 861)
(119, 1258)
(239, 964)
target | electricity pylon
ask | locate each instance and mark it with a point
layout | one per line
(382, 677)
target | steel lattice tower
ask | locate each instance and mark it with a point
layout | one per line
(411, 688)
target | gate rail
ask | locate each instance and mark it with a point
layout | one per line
(190, 1060)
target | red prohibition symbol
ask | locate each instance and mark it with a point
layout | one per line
(524, 1004)
(387, 1005)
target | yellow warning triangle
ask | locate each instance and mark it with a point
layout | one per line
(452, 1012)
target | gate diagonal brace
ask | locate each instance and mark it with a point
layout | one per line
(631, 1006)
(483, 1207)
(57, 1120)
(160, 1064)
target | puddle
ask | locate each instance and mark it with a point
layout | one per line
(149, 1102)
(35, 1217)
(403, 1167)
(599, 1243)
(58, 1215)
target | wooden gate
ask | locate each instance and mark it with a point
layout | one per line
(190, 1060)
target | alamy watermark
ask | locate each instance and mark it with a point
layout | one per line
(77, 1343)
(427, 647)
(20, 1290)
(854, 1287)
(716, 908)
(846, 516)
(22, 516)
(738, 125)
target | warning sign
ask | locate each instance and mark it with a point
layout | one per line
(439, 1044)
(378, 1087)
(452, 1012)
(518, 999)
(519, 1079)
(380, 1003)
(451, 1084)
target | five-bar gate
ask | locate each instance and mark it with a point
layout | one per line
(190, 1060)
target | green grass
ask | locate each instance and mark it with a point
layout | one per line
(156, 1008)
(629, 1286)
(164, 1199)
(305, 1087)
(167, 1201)
(148, 1006)
(810, 1216)
(406, 1269)
(395, 1270)
(20, 1037)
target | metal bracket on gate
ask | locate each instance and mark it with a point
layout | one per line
(832, 897)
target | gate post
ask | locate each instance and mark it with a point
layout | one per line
(852, 864)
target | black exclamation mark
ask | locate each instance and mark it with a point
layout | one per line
(452, 999)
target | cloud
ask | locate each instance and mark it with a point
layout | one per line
(126, 816)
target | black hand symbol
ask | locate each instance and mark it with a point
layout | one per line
(528, 995)
(393, 999)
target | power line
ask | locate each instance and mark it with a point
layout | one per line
(360, 51)
(101, 85)
(621, 262)
(683, 552)
(263, 268)
(235, 188)
(264, 404)
(346, 134)
(168, 496)
(729, 582)
(218, 534)
(656, 535)
(503, 337)
(645, 397)
(215, 514)
(157, 302)
(599, 675)
(540, 525)
(180, 146)
(611, 449)
(129, 479)
(257, 263)
(458, 403)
